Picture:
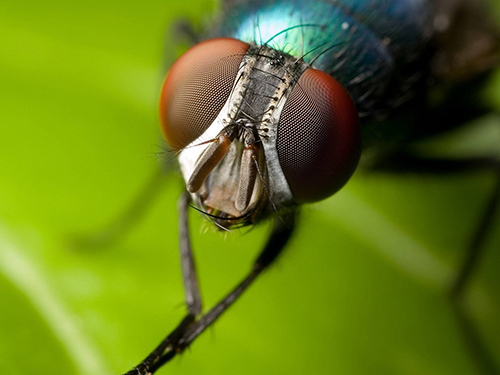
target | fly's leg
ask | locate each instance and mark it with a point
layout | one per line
(167, 349)
(139, 205)
(183, 31)
(478, 240)
(125, 221)
(177, 38)
(475, 250)
(191, 289)
(406, 162)
(190, 328)
(186, 29)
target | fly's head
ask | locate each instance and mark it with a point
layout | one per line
(257, 131)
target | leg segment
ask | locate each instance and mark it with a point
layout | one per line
(126, 220)
(406, 162)
(477, 348)
(189, 329)
(192, 292)
(282, 231)
(477, 242)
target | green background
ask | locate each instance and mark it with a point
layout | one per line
(361, 289)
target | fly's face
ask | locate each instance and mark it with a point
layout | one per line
(257, 131)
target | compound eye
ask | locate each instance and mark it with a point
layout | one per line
(197, 87)
(318, 141)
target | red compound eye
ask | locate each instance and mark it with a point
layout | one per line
(196, 88)
(318, 140)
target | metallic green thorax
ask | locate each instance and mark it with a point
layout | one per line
(371, 47)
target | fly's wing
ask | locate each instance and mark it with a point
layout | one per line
(467, 40)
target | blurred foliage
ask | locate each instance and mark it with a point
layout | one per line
(361, 289)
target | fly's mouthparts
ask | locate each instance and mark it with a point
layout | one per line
(210, 158)
(239, 175)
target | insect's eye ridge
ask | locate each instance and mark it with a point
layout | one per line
(318, 141)
(196, 88)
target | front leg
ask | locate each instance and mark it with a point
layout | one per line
(190, 328)
(192, 296)
(191, 289)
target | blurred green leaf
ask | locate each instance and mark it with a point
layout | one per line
(361, 289)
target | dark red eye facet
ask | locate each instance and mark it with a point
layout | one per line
(197, 87)
(318, 141)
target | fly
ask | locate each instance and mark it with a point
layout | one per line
(272, 112)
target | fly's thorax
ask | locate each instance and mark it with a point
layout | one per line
(258, 131)
(247, 183)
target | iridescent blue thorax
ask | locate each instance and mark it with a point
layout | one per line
(371, 47)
